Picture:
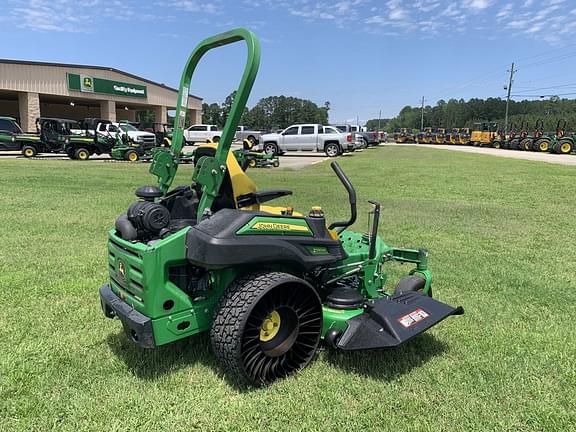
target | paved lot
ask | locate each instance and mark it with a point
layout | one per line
(291, 160)
(514, 154)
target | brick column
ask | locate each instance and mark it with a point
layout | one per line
(29, 104)
(108, 110)
(195, 116)
(160, 115)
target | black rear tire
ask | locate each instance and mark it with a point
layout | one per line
(266, 326)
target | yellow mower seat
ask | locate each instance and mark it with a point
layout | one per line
(242, 184)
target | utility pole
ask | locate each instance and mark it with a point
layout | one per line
(422, 116)
(379, 116)
(512, 72)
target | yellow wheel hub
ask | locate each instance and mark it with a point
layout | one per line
(82, 155)
(133, 157)
(544, 146)
(270, 327)
(28, 152)
(565, 148)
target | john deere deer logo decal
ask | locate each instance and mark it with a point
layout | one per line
(86, 83)
(121, 269)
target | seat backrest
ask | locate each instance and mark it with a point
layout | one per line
(236, 182)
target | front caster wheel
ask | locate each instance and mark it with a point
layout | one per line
(266, 326)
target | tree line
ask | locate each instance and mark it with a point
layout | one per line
(460, 113)
(270, 113)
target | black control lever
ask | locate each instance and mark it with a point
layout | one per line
(341, 226)
(374, 230)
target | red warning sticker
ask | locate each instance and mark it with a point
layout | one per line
(413, 317)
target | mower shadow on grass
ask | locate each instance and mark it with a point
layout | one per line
(153, 364)
(387, 364)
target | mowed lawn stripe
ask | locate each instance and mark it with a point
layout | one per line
(501, 238)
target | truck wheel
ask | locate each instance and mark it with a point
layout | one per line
(271, 148)
(266, 326)
(82, 154)
(29, 151)
(131, 156)
(332, 150)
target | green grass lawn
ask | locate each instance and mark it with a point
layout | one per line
(501, 238)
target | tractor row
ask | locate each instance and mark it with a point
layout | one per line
(488, 134)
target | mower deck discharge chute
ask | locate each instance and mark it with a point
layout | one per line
(268, 283)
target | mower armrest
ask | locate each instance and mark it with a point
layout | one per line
(261, 197)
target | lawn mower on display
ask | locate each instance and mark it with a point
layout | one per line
(267, 282)
(258, 159)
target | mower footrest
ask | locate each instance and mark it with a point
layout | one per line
(389, 322)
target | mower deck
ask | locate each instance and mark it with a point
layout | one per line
(394, 320)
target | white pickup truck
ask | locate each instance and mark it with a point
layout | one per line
(243, 132)
(146, 139)
(308, 137)
(201, 133)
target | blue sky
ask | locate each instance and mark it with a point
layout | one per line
(361, 55)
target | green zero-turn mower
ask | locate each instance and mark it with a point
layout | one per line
(267, 283)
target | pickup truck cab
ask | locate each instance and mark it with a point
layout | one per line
(243, 132)
(145, 139)
(307, 137)
(202, 133)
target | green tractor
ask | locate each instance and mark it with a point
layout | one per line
(13, 139)
(528, 141)
(517, 136)
(558, 142)
(267, 283)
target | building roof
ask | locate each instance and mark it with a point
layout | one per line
(104, 68)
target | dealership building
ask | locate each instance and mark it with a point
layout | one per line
(29, 90)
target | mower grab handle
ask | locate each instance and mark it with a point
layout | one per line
(341, 226)
(165, 164)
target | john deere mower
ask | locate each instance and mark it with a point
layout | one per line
(268, 283)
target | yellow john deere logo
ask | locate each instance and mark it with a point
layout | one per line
(122, 269)
(87, 82)
(273, 226)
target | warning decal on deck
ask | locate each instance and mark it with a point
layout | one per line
(413, 317)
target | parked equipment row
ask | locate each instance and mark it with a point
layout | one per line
(488, 134)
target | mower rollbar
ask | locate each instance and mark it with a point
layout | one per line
(341, 226)
(165, 163)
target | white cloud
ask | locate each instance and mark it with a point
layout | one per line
(477, 5)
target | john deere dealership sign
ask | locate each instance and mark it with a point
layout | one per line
(89, 84)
